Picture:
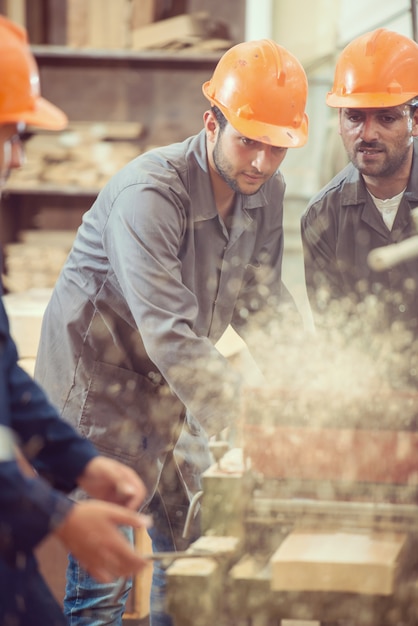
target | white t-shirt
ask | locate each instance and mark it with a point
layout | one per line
(388, 208)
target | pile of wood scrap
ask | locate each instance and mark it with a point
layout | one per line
(36, 260)
(84, 155)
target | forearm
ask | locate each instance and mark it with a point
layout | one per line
(54, 448)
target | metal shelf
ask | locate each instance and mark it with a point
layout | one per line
(51, 190)
(185, 58)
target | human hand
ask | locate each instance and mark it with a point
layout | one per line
(106, 479)
(90, 532)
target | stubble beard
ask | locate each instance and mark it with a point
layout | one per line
(390, 166)
(223, 168)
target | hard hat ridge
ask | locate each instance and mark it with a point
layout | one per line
(377, 69)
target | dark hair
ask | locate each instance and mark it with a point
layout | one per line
(220, 117)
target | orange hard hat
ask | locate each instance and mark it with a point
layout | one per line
(262, 89)
(20, 99)
(378, 69)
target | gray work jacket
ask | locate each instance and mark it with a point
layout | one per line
(341, 226)
(152, 281)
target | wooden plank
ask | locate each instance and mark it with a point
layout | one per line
(117, 31)
(96, 24)
(144, 12)
(108, 24)
(49, 238)
(16, 11)
(98, 130)
(77, 23)
(164, 32)
(142, 582)
(367, 563)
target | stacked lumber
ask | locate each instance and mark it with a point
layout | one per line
(84, 155)
(98, 23)
(125, 24)
(192, 32)
(36, 260)
(142, 24)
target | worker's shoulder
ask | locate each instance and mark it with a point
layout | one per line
(332, 190)
(166, 170)
(172, 157)
(159, 166)
(165, 162)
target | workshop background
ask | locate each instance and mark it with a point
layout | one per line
(128, 73)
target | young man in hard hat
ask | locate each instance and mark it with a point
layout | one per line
(31, 507)
(368, 204)
(182, 242)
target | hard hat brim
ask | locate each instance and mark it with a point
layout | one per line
(43, 115)
(278, 136)
(368, 100)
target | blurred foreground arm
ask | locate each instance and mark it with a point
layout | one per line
(107, 479)
(90, 529)
(31, 507)
(90, 532)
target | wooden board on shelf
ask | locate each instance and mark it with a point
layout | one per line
(77, 22)
(144, 12)
(188, 27)
(16, 11)
(337, 561)
(108, 23)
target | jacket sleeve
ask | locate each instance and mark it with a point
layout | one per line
(53, 447)
(29, 506)
(29, 509)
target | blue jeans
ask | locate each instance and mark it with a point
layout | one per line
(158, 616)
(90, 603)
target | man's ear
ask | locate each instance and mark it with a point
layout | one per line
(415, 122)
(211, 125)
